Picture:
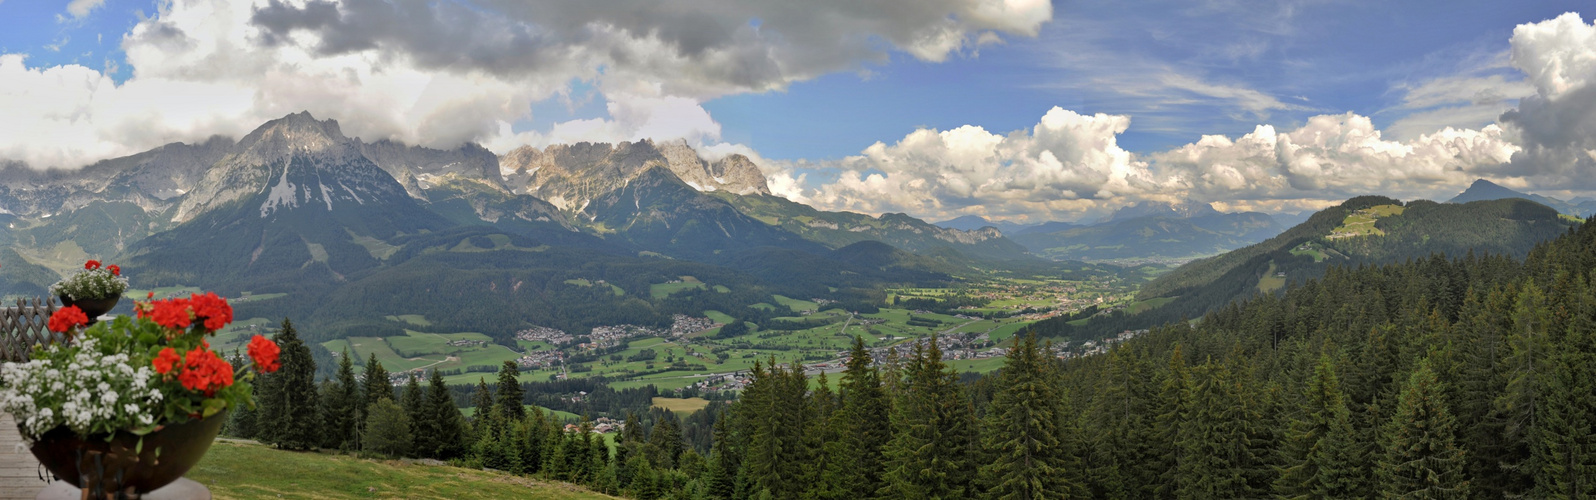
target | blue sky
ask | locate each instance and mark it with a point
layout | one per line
(1018, 109)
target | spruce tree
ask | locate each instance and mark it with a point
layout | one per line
(720, 480)
(482, 400)
(1022, 430)
(1564, 445)
(1319, 450)
(296, 419)
(509, 396)
(342, 407)
(854, 460)
(933, 442)
(1217, 456)
(1422, 460)
(413, 402)
(1172, 407)
(1123, 453)
(443, 424)
(377, 384)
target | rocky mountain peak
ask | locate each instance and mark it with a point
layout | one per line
(571, 175)
(298, 133)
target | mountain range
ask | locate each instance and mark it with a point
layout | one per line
(343, 232)
(1148, 230)
(1482, 190)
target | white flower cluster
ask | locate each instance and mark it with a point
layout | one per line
(90, 284)
(87, 392)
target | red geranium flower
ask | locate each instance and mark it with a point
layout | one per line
(115, 270)
(172, 313)
(204, 371)
(91, 264)
(166, 360)
(64, 319)
(213, 309)
(264, 352)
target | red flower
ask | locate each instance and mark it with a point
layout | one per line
(204, 371)
(115, 270)
(166, 360)
(214, 309)
(91, 264)
(172, 313)
(64, 319)
(264, 352)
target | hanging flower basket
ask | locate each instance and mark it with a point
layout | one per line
(132, 403)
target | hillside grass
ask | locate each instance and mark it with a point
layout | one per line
(248, 471)
(681, 406)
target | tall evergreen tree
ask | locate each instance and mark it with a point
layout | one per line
(1422, 460)
(854, 461)
(721, 479)
(1564, 445)
(1023, 432)
(444, 426)
(482, 400)
(342, 407)
(1320, 453)
(509, 395)
(387, 429)
(1125, 459)
(296, 415)
(414, 403)
(933, 442)
(376, 379)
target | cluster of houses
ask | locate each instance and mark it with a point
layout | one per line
(611, 336)
(683, 324)
(540, 359)
(603, 425)
(467, 343)
(544, 334)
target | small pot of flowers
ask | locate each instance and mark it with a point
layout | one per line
(132, 403)
(94, 290)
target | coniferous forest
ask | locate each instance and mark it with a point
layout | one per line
(1472, 377)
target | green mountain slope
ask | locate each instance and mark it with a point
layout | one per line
(1152, 237)
(840, 229)
(1363, 230)
(658, 212)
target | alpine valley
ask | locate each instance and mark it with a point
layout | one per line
(371, 246)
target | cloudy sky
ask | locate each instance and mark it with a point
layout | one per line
(1012, 109)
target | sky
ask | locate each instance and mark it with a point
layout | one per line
(1019, 110)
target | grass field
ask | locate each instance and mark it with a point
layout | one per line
(1149, 304)
(249, 471)
(1361, 223)
(796, 305)
(662, 290)
(1270, 282)
(563, 416)
(681, 406)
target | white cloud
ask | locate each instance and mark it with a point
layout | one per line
(441, 73)
(1064, 165)
(81, 8)
(1557, 125)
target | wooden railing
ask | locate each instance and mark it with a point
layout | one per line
(24, 326)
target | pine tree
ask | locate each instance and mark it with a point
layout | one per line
(1319, 447)
(1218, 459)
(296, 409)
(1022, 431)
(342, 407)
(854, 460)
(377, 384)
(1422, 460)
(482, 400)
(1125, 458)
(721, 479)
(933, 442)
(1172, 406)
(509, 396)
(1564, 444)
(414, 403)
(442, 428)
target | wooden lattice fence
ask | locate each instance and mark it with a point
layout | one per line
(24, 326)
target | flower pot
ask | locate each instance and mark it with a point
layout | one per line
(93, 308)
(119, 465)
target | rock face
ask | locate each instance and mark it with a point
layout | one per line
(1180, 210)
(572, 175)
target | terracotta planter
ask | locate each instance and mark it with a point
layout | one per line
(118, 465)
(92, 307)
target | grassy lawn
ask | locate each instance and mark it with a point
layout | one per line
(1361, 223)
(796, 305)
(247, 471)
(1270, 282)
(681, 406)
(977, 365)
(719, 317)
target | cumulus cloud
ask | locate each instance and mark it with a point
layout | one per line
(1557, 125)
(1066, 164)
(442, 73)
(1070, 165)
